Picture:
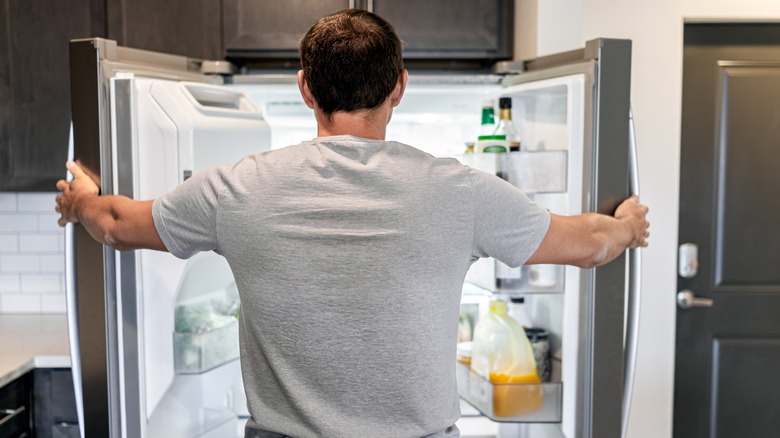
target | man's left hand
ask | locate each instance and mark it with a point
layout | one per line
(81, 185)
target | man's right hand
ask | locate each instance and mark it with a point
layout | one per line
(634, 214)
(591, 239)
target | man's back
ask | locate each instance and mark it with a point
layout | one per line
(349, 255)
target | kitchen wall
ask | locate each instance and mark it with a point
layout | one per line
(32, 261)
(656, 29)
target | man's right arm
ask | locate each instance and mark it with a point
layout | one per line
(591, 239)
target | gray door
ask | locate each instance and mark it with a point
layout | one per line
(727, 374)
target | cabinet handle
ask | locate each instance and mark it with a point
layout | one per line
(10, 414)
(351, 4)
(371, 6)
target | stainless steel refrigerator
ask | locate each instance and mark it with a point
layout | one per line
(144, 122)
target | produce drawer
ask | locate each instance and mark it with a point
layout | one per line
(511, 402)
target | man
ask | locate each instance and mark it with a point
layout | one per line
(349, 252)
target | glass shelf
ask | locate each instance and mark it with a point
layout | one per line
(511, 402)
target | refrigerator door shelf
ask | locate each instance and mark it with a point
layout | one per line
(531, 279)
(530, 171)
(511, 402)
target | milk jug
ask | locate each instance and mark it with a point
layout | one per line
(502, 354)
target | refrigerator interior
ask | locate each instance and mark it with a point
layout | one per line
(437, 118)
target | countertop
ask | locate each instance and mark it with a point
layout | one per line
(32, 341)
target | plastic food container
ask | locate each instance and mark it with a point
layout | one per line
(199, 352)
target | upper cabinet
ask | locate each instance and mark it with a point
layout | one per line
(271, 30)
(35, 87)
(257, 33)
(184, 27)
(451, 29)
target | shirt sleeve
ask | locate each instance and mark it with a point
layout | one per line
(186, 217)
(508, 226)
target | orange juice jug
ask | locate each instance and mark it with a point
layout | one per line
(502, 354)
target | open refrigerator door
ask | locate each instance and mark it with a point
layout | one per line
(571, 113)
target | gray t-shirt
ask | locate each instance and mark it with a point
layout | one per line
(349, 256)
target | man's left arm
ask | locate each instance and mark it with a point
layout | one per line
(117, 221)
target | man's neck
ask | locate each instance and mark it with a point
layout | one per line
(370, 124)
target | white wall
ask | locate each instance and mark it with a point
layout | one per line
(656, 28)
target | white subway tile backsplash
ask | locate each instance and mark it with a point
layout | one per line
(32, 263)
(28, 202)
(48, 223)
(9, 243)
(39, 243)
(9, 283)
(21, 303)
(53, 263)
(53, 304)
(18, 222)
(41, 282)
(19, 263)
(7, 201)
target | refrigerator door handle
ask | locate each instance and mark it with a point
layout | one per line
(72, 308)
(634, 292)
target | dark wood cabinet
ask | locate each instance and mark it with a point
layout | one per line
(261, 30)
(257, 33)
(16, 408)
(34, 86)
(40, 403)
(54, 404)
(184, 27)
(451, 29)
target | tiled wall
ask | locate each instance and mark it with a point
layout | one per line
(32, 261)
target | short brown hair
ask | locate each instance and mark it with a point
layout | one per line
(351, 60)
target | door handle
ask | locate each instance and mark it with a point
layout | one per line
(686, 299)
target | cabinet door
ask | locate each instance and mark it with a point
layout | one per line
(35, 86)
(55, 403)
(16, 408)
(271, 29)
(451, 29)
(182, 27)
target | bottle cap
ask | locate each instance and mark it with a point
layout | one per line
(498, 306)
(505, 102)
(536, 334)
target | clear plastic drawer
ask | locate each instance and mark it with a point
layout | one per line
(199, 352)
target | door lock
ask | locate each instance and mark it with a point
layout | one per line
(686, 299)
(688, 260)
